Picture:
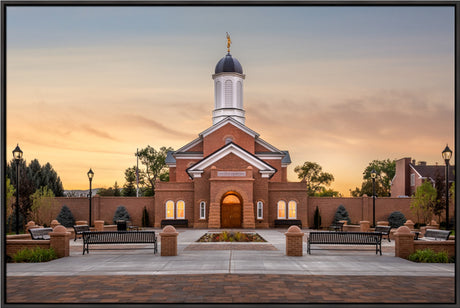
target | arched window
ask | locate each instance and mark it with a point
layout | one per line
(202, 210)
(228, 93)
(281, 209)
(239, 95)
(260, 210)
(180, 209)
(218, 93)
(292, 210)
(169, 209)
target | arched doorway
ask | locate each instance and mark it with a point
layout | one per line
(231, 210)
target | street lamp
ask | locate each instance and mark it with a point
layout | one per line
(373, 175)
(17, 154)
(90, 177)
(447, 154)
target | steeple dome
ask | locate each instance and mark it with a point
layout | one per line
(228, 88)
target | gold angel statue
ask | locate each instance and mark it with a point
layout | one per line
(229, 42)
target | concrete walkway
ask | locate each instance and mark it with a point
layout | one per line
(230, 273)
(212, 260)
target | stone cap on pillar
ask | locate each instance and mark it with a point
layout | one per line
(294, 231)
(403, 230)
(60, 229)
(169, 231)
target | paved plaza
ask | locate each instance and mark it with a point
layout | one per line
(231, 273)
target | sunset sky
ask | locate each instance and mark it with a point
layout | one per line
(339, 86)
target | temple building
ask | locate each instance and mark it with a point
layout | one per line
(229, 177)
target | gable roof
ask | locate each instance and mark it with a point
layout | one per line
(226, 121)
(432, 172)
(231, 148)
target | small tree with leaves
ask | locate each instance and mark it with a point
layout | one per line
(423, 201)
(121, 213)
(9, 197)
(42, 206)
(65, 217)
(341, 214)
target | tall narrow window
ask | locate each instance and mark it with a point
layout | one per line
(239, 95)
(180, 210)
(412, 179)
(169, 209)
(218, 94)
(281, 210)
(292, 209)
(260, 210)
(202, 210)
(228, 94)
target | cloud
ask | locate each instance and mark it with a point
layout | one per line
(143, 121)
(97, 132)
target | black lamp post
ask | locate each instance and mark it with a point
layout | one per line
(17, 154)
(90, 195)
(373, 175)
(447, 154)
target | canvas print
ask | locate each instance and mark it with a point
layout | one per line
(229, 154)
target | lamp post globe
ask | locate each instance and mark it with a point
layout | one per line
(17, 154)
(90, 195)
(373, 176)
(446, 155)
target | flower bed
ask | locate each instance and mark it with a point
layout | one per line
(226, 236)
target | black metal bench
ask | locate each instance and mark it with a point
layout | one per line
(175, 222)
(79, 229)
(288, 222)
(118, 237)
(345, 238)
(385, 230)
(337, 226)
(435, 235)
(40, 233)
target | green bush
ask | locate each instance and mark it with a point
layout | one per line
(65, 217)
(11, 222)
(396, 219)
(317, 219)
(121, 213)
(341, 214)
(34, 255)
(429, 256)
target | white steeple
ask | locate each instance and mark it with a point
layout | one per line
(228, 89)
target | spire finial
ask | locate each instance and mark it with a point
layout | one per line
(229, 42)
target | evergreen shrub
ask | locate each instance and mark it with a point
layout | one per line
(121, 213)
(396, 219)
(65, 217)
(317, 219)
(341, 214)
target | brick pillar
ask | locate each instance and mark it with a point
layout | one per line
(434, 224)
(169, 241)
(404, 242)
(81, 222)
(54, 223)
(364, 226)
(214, 215)
(59, 241)
(248, 216)
(345, 222)
(294, 241)
(99, 225)
(410, 224)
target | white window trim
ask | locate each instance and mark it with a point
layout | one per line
(203, 206)
(166, 209)
(260, 206)
(177, 209)
(295, 207)
(278, 209)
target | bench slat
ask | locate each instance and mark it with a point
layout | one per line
(118, 237)
(40, 233)
(345, 238)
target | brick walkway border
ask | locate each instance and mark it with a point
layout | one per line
(229, 288)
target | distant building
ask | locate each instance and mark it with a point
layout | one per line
(410, 175)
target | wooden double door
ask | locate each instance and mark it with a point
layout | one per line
(231, 211)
